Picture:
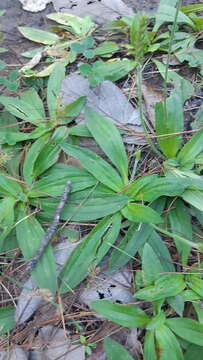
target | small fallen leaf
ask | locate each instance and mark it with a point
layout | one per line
(108, 100)
(115, 287)
(54, 344)
(14, 354)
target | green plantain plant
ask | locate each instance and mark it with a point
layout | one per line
(103, 189)
(30, 108)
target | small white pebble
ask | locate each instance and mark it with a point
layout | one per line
(34, 5)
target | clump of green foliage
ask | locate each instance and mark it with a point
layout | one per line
(103, 190)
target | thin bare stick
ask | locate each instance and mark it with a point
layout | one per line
(52, 228)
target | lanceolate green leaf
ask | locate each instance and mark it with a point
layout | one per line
(194, 198)
(181, 85)
(50, 153)
(32, 98)
(160, 186)
(37, 35)
(125, 315)
(149, 346)
(165, 286)
(110, 237)
(169, 120)
(8, 186)
(166, 13)
(69, 112)
(54, 180)
(22, 110)
(167, 345)
(134, 239)
(54, 85)
(191, 150)
(195, 284)
(151, 265)
(84, 209)
(187, 329)
(7, 211)
(109, 139)
(7, 316)
(29, 233)
(98, 167)
(141, 213)
(29, 236)
(31, 157)
(180, 222)
(194, 352)
(46, 266)
(114, 350)
(76, 269)
(161, 251)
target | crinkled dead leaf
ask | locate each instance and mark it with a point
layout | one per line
(108, 100)
(115, 287)
(52, 343)
(14, 354)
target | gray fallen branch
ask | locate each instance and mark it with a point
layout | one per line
(52, 228)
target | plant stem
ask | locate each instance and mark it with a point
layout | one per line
(168, 58)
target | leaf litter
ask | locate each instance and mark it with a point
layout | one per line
(108, 100)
